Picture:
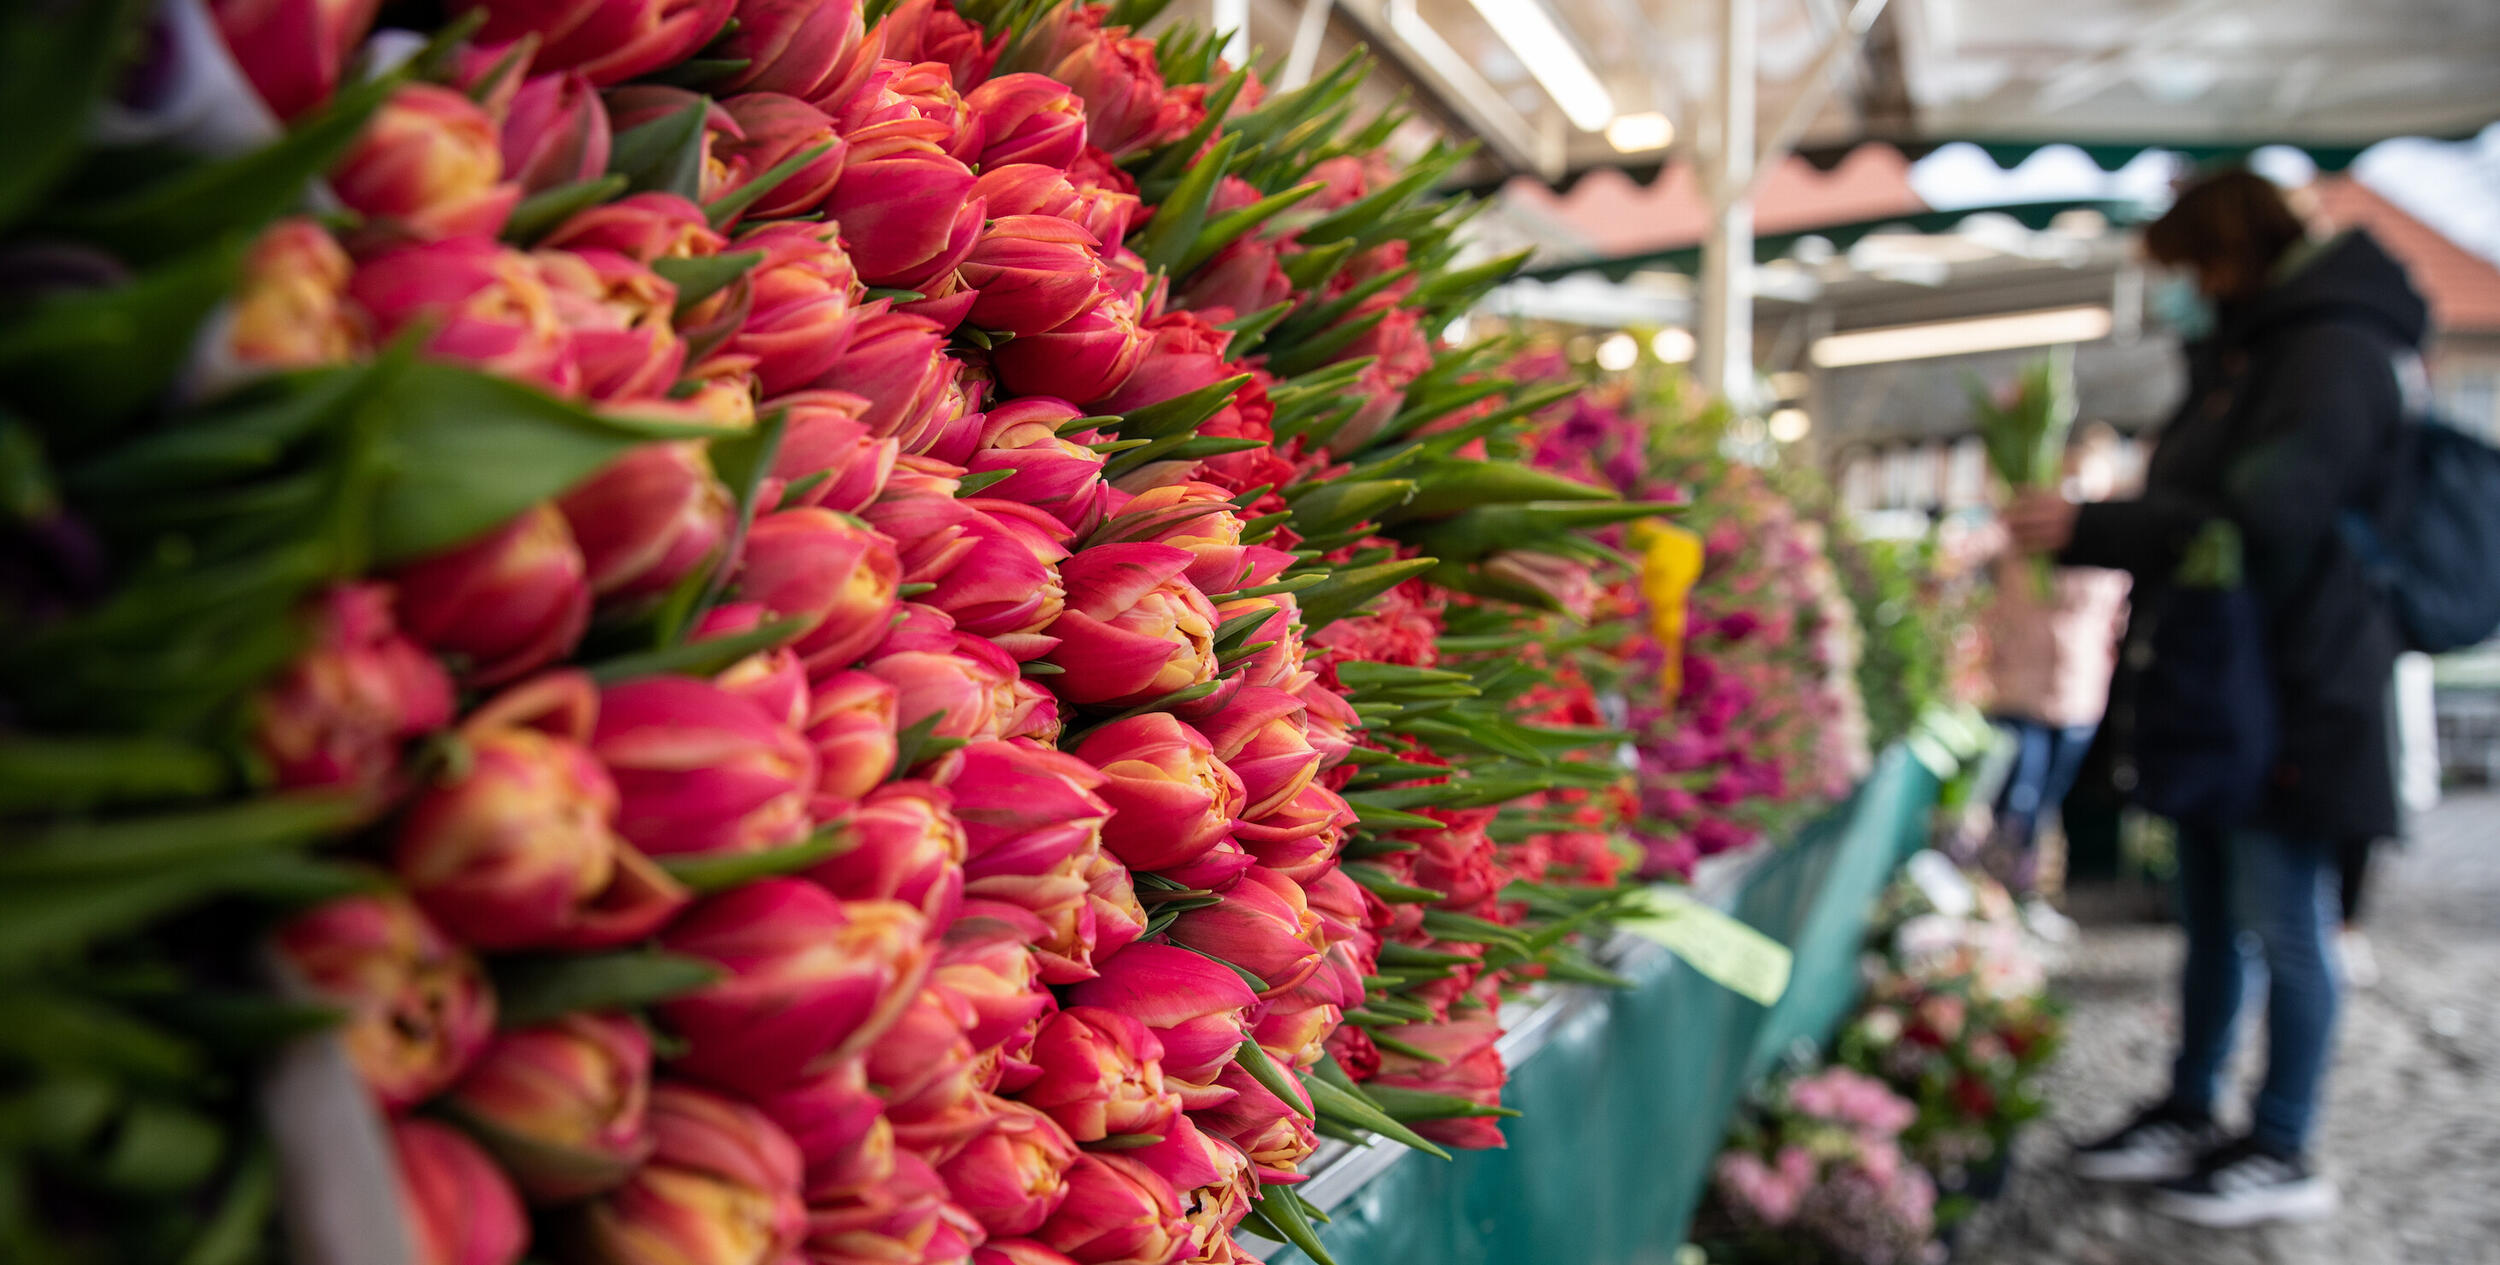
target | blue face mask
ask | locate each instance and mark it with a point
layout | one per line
(2175, 301)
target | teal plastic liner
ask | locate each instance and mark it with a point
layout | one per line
(1627, 1101)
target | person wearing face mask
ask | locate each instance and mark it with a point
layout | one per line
(2297, 350)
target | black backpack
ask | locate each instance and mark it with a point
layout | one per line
(2436, 557)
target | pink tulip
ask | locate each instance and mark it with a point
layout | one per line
(1004, 583)
(486, 305)
(1055, 908)
(801, 317)
(555, 133)
(506, 603)
(1400, 352)
(921, 31)
(1171, 798)
(904, 203)
(1198, 1008)
(1329, 722)
(774, 129)
(1032, 712)
(416, 1006)
(1016, 1252)
(1011, 1175)
(994, 976)
(609, 41)
(897, 362)
(1264, 926)
(1259, 735)
(907, 1218)
(618, 317)
(516, 848)
(1246, 276)
(1197, 517)
(290, 308)
(1101, 1074)
(823, 565)
(458, 1209)
(1117, 1210)
(294, 51)
(815, 50)
(1134, 628)
(643, 227)
(840, 1128)
(1283, 665)
(721, 1188)
(718, 172)
(1083, 360)
(1034, 189)
(810, 980)
(1297, 1037)
(338, 715)
(701, 770)
(1469, 1067)
(1035, 274)
(1274, 1134)
(898, 90)
(562, 1105)
(965, 687)
(1185, 353)
(428, 164)
(772, 678)
(1059, 476)
(1111, 893)
(850, 720)
(825, 437)
(1026, 810)
(1028, 118)
(928, 1073)
(1126, 106)
(902, 843)
(1300, 838)
(648, 519)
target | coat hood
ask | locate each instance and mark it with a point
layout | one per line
(2348, 277)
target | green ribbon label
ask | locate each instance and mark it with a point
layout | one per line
(1729, 953)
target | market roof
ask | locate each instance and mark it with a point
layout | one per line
(1545, 83)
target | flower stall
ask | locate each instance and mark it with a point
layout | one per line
(830, 630)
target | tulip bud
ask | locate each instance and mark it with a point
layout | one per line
(1246, 276)
(772, 679)
(1466, 1064)
(828, 458)
(1400, 352)
(1126, 106)
(459, 1210)
(1329, 722)
(487, 307)
(906, 1218)
(1028, 118)
(994, 976)
(555, 133)
(921, 31)
(339, 713)
(1083, 360)
(511, 601)
(1196, 1007)
(1111, 894)
(609, 41)
(904, 203)
(722, 1185)
(1197, 517)
(562, 1105)
(1016, 1252)
(1003, 584)
(1026, 810)
(898, 90)
(1565, 582)
(814, 50)
(1035, 274)
(647, 519)
(618, 316)
(1259, 735)
(417, 1006)
(811, 980)
(928, 1073)
(1134, 629)
(897, 362)
(1033, 189)
(294, 52)
(850, 721)
(290, 310)
(1061, 477)
(644, 227)
(774, 129)
(428, 163)
(903, 844)
(1117, 1210)
(825, 566)
(841, 1131)
(1012, 1174)
(516, 848)
(1101, 1074)
(1300, 838)
(1263, 925)
(1171, 798)
(964, 687)
(699, 769)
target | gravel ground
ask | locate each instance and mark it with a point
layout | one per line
(2412, 1125)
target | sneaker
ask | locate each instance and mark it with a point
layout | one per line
(2048, 924)
(2245, 1182)
(2360, 964)
(2162, 1142)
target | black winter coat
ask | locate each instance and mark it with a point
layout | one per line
(2293, 417)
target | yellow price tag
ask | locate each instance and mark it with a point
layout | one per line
(1671, 559)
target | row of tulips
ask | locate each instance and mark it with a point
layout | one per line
(827, 630)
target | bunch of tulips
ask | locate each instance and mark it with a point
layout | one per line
(808, 630)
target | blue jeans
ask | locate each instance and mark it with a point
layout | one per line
(2278, 892)
(2046, 760)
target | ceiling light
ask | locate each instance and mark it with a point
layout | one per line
(1633, 133)
(1674, 346)
(1530, 31)
(1954, 338)
(1788, 425)
(1618, 353)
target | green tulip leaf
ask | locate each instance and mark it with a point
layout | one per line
(719, 872)
(540, 989)
(61, 63)
(540, 213)
(663, 155)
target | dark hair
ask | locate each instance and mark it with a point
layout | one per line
(2234, 225)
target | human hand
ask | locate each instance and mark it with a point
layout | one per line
(2040, 521)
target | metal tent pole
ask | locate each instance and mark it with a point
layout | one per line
(1725, 361)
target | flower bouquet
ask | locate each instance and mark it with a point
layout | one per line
(1814, 1174)
(2023, 429)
